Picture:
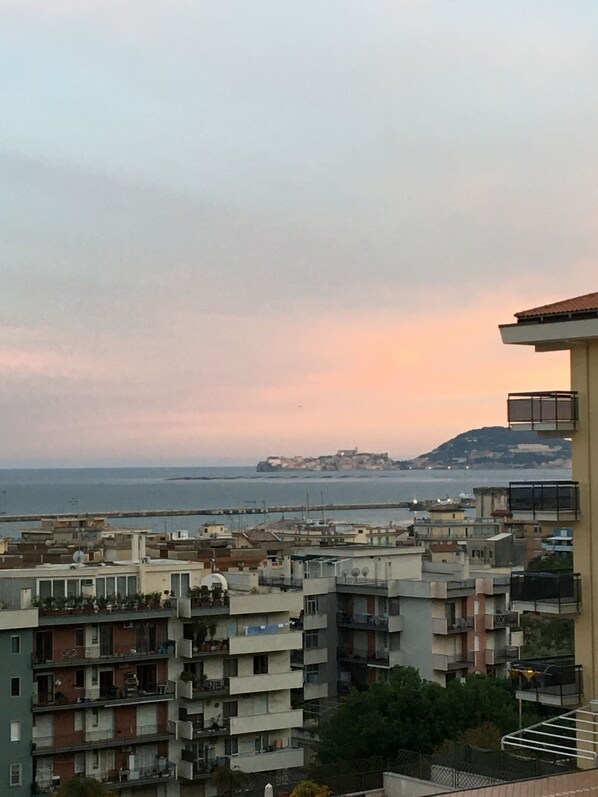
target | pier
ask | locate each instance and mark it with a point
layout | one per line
(220, 512)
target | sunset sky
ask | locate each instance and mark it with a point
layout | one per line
(234, 229)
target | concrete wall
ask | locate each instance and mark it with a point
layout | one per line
(401, 786)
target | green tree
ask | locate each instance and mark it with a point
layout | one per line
(547, 636)
(80, 786)
(552, 563)
(228, 781)
(411, 713)
(309, 788)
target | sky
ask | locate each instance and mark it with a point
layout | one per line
(234, 229)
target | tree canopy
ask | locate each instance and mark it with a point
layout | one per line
(414, 714)
(80, 786)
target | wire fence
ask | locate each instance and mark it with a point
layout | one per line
(464, 767)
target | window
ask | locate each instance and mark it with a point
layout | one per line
(311, 605)
(95, 718)
(79, 679)
(79, 637)
(15, 644)
(79, 763)
(95, 759)
(312, 673)
(311, 639)
(15, 731)
(261, 743)
(230, 708)
(231, 746)
(231, 668)
(16, 774)
(15, 687)
(179, 585)
(260, 665)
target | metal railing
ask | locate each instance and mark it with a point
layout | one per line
(83, 738)
(366, 620)
(545, 499)
(548, 410)
(546, 589)
(555, 681)
(364, 656)
(106, 695)
(284, 582)
(84, 655)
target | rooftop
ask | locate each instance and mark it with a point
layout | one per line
(579, 305)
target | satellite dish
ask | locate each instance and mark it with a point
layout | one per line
(355, 572)
(345, 573)
(47, 543)
(78, 557)
(365, 571)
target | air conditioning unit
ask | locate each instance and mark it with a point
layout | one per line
(128, 624)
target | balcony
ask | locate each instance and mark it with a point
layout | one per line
(494, 622)
(546, 593)
(126, 778)
(273, 758)
(203, 690)
(378, 658)
(459, 625)
(82, 740)
(500, 655)
(262, 723)
(371, 622)
(457, 661)
(204, 729)
(554, 411)
(113, 696)
(264, 639)
(552, 682)
(193, 768)
(58, 611)
(188, 649)
(545, 500)
(268, 682)
(80, 656)
(282, 582)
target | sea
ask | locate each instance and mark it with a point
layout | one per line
(98, 490)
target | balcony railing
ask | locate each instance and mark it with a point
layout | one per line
(371, 621)
(282, 582)
(544, 411)
(457, 661)
(380, 657)
(162, 770)
(83, 739)
(545, 500)
(106, 696)
(499, 620)
(200, 768)
(77, 656)
(547, 593)
(460, 625)
(552, 682)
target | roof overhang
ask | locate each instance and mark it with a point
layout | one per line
(550, 336)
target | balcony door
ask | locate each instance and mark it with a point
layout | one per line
(43, 646)
(106, 640)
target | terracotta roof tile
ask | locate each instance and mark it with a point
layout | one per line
(579, 304)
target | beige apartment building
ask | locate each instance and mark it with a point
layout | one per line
(146, 675)
(571, 326)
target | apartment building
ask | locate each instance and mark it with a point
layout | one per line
(571, 326)
(366, 611)
(144, 674)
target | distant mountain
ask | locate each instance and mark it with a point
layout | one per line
(496, 447)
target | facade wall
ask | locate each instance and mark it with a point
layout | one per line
(15, 740)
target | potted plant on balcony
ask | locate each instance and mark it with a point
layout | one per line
(212, 627)
(186, 676)
(217, 595)
(204, 595)
(199, 633)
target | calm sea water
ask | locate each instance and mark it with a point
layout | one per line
(108, 489)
